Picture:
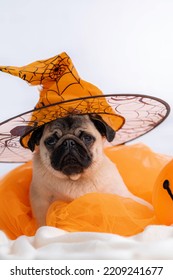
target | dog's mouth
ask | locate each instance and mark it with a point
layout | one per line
(72, 160)
(70, 166)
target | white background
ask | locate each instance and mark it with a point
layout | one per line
(122, 46)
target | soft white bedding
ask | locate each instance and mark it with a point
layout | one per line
(156, 242)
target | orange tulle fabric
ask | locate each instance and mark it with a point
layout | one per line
(141, 170)
(15, 211)
(98, 212)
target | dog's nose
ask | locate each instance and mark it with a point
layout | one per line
(69, 144)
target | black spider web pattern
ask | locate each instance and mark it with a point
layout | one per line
(141, 113)
(50, 74)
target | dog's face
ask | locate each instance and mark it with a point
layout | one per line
(69, 146)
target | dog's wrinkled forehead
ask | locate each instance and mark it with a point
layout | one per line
(68, 124)
(74, 125)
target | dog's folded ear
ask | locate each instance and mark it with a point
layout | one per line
(35, 138)
(103, 127)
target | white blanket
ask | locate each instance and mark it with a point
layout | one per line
(156, 242)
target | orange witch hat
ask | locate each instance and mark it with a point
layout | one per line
(62, 93)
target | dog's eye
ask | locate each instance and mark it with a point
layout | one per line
(87, 138)
(51, 141)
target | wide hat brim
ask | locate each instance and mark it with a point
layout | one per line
(141, 113)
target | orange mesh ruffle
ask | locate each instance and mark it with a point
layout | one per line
(98, 212)
(15, 211)
(142, 170)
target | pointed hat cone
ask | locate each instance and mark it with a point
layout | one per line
(62, 93)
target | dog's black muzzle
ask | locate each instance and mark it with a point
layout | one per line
(71, 157)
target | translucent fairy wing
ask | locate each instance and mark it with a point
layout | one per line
(12, 151)
(10, 147)
(142, 114)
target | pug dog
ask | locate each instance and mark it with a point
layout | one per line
(69, 161)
